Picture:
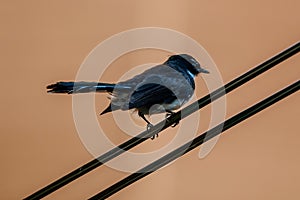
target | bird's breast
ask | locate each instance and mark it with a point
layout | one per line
(162, 108)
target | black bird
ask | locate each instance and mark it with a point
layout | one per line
(160, 89)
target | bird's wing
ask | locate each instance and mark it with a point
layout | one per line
(158, 85)
(151, 92)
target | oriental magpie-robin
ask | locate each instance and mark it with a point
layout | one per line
(160, 89)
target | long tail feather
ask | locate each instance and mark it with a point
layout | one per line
(79, 87)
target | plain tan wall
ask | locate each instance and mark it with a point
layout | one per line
(45, 41)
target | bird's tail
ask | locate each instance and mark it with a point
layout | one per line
(80, 87)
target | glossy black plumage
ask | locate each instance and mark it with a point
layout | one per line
(160, 89)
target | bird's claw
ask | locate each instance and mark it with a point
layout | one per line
(175, 124)
(149, 126)
(154, 136)
(170, 113)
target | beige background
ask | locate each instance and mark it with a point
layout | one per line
(43, 41)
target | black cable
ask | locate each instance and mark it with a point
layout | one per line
(166, 123)
(198, 141)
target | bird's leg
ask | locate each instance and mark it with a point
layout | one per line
(149, 125)
(168, 114)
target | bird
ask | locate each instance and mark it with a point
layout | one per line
(160, 89)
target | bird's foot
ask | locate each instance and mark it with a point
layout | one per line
(175, 124)
(149, 126)
(154, 136)
(170, 113)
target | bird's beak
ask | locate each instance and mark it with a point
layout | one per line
(203, 71)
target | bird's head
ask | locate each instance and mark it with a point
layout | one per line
(187, 61)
